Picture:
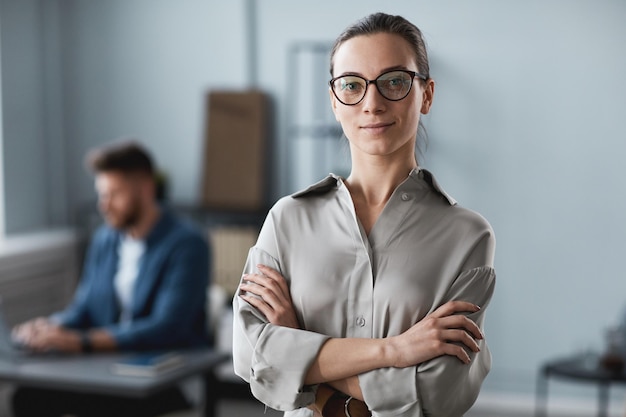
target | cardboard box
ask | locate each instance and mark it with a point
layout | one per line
(235, 151)
(230, 245)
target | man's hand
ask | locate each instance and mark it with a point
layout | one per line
(269, 293)
(42, 335)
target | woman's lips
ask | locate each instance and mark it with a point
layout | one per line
(376, 127)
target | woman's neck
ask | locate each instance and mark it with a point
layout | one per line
(371, 185)
(372, 182)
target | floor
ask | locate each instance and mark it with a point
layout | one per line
(247, 409)
(232, 409)
(250, 408)
(239, 408)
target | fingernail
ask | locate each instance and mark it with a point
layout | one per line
(260, 266)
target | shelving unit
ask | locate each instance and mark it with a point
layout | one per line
(313, 135)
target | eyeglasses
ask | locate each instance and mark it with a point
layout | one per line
(392, 85)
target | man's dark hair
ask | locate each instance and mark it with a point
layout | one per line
(127, 157)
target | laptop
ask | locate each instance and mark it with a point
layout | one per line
(9, 347)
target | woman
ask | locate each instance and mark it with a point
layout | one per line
(364, 293)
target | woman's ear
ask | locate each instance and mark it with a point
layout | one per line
(427, 96)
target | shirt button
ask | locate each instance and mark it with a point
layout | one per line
(360, 321)
(405, 197)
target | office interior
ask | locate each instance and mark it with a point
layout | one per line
(526, 128)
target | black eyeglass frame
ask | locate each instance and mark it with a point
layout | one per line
(413, 74)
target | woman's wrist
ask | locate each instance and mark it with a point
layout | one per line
(324, 393)
(389, 351)
(342, 405)
(335, 405)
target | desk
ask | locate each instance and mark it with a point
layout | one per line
(92, 374)
(580, 368)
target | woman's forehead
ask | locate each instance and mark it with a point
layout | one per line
(369, 55)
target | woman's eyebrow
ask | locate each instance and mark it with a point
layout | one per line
(358, 74)
(395, 67)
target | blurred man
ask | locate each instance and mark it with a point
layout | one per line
(143, 288)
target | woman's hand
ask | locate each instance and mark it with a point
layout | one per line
(443, 332)
(269, 293)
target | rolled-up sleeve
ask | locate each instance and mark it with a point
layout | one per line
(274, 360)
(448, 387)
(444, 386)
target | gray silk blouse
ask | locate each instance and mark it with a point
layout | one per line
(423, 251)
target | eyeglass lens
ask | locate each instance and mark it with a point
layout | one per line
(393, 85)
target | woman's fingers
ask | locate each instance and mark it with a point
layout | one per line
(276, 313)
(270, 278)
(257, 303)
(454, 307)
(446, 331)
(276, 277)
(260, 280)
(456, 350)
(260, 292)
(460, 336)
(268, 292)
(449, 314)
(462, 322)
(264, 287)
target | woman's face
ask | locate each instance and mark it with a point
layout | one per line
(377, 126)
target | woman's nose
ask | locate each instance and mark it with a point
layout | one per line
(373, 101)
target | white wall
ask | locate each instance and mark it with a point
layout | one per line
(526, 128)
(33, 144)
(142, 68)
(2, 216)
(23, 115)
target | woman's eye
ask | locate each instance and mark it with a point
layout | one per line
(393, 83)
(350, 85)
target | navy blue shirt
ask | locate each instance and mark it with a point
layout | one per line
(170, 294)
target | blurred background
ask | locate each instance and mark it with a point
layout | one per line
(526, 128)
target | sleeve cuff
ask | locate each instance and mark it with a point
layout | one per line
(278, 379)
(391, 392)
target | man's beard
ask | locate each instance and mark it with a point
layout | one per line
(131, 219)
(128, 220)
